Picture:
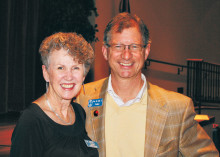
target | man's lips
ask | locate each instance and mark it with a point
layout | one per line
(126, 64)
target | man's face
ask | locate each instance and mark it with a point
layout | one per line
(126, 63)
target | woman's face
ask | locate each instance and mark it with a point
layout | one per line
(64, 74)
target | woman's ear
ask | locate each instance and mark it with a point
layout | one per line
(45, 73)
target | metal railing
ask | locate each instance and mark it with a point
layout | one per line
(203, 82)
(180, 67)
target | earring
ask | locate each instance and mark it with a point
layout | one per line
(47, 84)
(84, 88)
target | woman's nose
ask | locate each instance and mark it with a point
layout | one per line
(69, 75)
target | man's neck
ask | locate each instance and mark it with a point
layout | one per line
(127, 88)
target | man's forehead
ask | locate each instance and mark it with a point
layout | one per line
(118, 28)
(131, 32)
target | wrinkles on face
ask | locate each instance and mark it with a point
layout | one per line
(65, 75)
(126, 64)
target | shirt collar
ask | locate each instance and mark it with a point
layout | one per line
(119, 101)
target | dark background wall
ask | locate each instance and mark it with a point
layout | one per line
(179, 30)
(24, 24)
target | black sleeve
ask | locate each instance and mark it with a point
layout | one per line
(26, 138)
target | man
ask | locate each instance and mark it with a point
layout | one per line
(130, 117)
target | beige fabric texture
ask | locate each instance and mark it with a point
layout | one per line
(170, 126)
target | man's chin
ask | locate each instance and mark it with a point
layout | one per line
(126, 75)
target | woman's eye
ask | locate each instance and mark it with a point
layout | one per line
(76, 68)
(60, 68)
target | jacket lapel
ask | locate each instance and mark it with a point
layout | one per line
(155, 121)
(98, 122)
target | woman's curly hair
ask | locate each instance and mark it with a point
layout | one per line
(74, 43)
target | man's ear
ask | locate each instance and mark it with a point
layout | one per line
(105, 52)
(45, 73)
(147, 51)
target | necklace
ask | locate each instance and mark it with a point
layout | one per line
(48, 103)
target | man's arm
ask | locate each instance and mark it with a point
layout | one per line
(194, 141)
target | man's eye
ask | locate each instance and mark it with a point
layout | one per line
(134, 46)
(118, 46)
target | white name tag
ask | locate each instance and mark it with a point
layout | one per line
(91, 144)
(95, 102)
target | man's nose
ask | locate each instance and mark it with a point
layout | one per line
(126, 54)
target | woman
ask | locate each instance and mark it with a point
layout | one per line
(53, 125)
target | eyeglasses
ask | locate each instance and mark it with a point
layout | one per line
(122, 47)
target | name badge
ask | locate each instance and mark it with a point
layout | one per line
(95, 102)
(91, 144)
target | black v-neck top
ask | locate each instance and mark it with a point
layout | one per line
(37, 135)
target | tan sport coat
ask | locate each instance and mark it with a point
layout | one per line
(170, 126)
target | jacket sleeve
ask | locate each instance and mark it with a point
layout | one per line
(194, 141)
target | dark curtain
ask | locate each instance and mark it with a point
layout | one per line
(19, 53)
(24, 24)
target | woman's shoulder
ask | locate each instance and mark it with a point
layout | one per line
(32, 117)
(30, 114)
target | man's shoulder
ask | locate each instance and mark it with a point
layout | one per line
(96, 84)
(157, 92)
(91, 90)
(173, 101)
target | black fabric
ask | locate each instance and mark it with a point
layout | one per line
(36, 135)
